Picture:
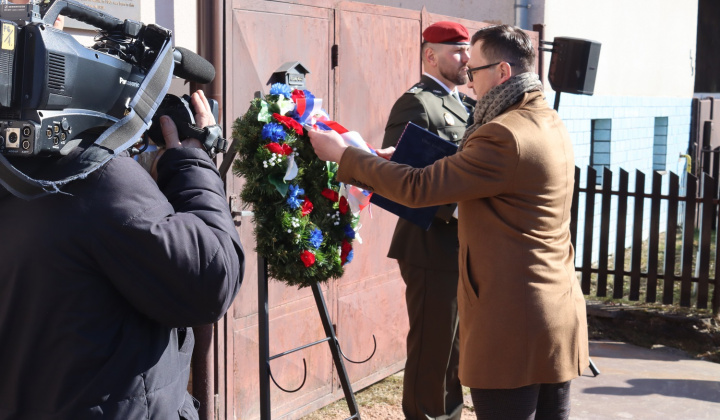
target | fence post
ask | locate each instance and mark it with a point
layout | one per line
(687, 243)
(588, 231)
(604, 233)
(635, 258)
(671, 239)
(654, 241)
(702, 265)
(619, 269)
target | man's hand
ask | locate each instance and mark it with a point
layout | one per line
(328, 145)
(203, 112)
(203, 118)
(385, 153)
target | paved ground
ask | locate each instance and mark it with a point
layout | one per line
(639, 383)
(634, 383)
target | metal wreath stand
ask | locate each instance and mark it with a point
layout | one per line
(293, 74)
(331, 339)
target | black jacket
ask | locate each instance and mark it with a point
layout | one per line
(95, 282)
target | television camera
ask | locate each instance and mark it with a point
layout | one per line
(55, 92)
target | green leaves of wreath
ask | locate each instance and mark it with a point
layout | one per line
(303, 225)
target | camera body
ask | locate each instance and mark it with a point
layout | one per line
(53, 90)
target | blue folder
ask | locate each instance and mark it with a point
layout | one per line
(418, 148)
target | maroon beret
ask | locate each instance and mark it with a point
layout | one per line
(447, 33)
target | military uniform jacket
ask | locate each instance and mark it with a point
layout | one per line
(522, 313)
(430, 106)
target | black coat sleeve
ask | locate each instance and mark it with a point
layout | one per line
(171, 249)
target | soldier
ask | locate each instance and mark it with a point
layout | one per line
(428, 260)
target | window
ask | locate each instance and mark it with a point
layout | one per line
(600, 146)
(660, 144)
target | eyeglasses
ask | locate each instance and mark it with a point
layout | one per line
(474, 69)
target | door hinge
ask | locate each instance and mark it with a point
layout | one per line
(334, 56)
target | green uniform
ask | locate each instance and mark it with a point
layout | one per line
(428, 263)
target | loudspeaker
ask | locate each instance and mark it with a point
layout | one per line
(573, 65)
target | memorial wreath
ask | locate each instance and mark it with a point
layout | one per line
(305, 220)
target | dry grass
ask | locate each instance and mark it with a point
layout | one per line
(380, 401)
(675, 307)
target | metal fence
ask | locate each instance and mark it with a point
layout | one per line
(689, 221)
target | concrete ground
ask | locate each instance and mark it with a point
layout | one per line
(634, 383)
(639, 383)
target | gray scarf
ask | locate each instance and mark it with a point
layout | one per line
(500, 98)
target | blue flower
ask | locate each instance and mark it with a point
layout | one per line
(350, 256)
(316, 238)
(308, 95)
(293, 192)
(349, 232)
(280, 89)
(273, 132)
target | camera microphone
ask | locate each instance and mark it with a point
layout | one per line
(191, 66)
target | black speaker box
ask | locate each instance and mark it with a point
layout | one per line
(573, 65)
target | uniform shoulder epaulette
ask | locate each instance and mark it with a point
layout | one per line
(418, 87)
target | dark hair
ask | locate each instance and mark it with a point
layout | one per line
(507, 43)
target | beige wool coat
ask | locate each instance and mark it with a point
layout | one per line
(522, 313)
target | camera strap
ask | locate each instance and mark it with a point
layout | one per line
(117, 138)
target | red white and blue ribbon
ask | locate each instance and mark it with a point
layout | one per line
(309, 111)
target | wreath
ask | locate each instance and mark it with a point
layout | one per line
(305, 220)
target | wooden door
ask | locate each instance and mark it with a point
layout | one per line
(379, 59)
(262, 35)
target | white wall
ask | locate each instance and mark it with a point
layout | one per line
(648, 46)
(179, 16)
(495, 11)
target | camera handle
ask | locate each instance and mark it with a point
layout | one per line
(211, 137)
(85, 14)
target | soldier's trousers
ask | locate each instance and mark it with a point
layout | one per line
(431, 387)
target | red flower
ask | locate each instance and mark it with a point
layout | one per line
(330, 194)
(297, 93)
(345, 249)
(274, 148)
(308, 258)
(344, 207)
(279, 149)
(289, 123)
(307, 207)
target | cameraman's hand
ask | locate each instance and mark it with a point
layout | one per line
(203, 118)
(203, 112)
(172, 141)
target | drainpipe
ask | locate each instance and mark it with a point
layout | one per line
(521, 13)
(210, 22)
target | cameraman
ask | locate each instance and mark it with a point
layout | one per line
(59, 22)
(98, 283)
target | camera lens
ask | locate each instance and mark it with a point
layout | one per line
(13, 138)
